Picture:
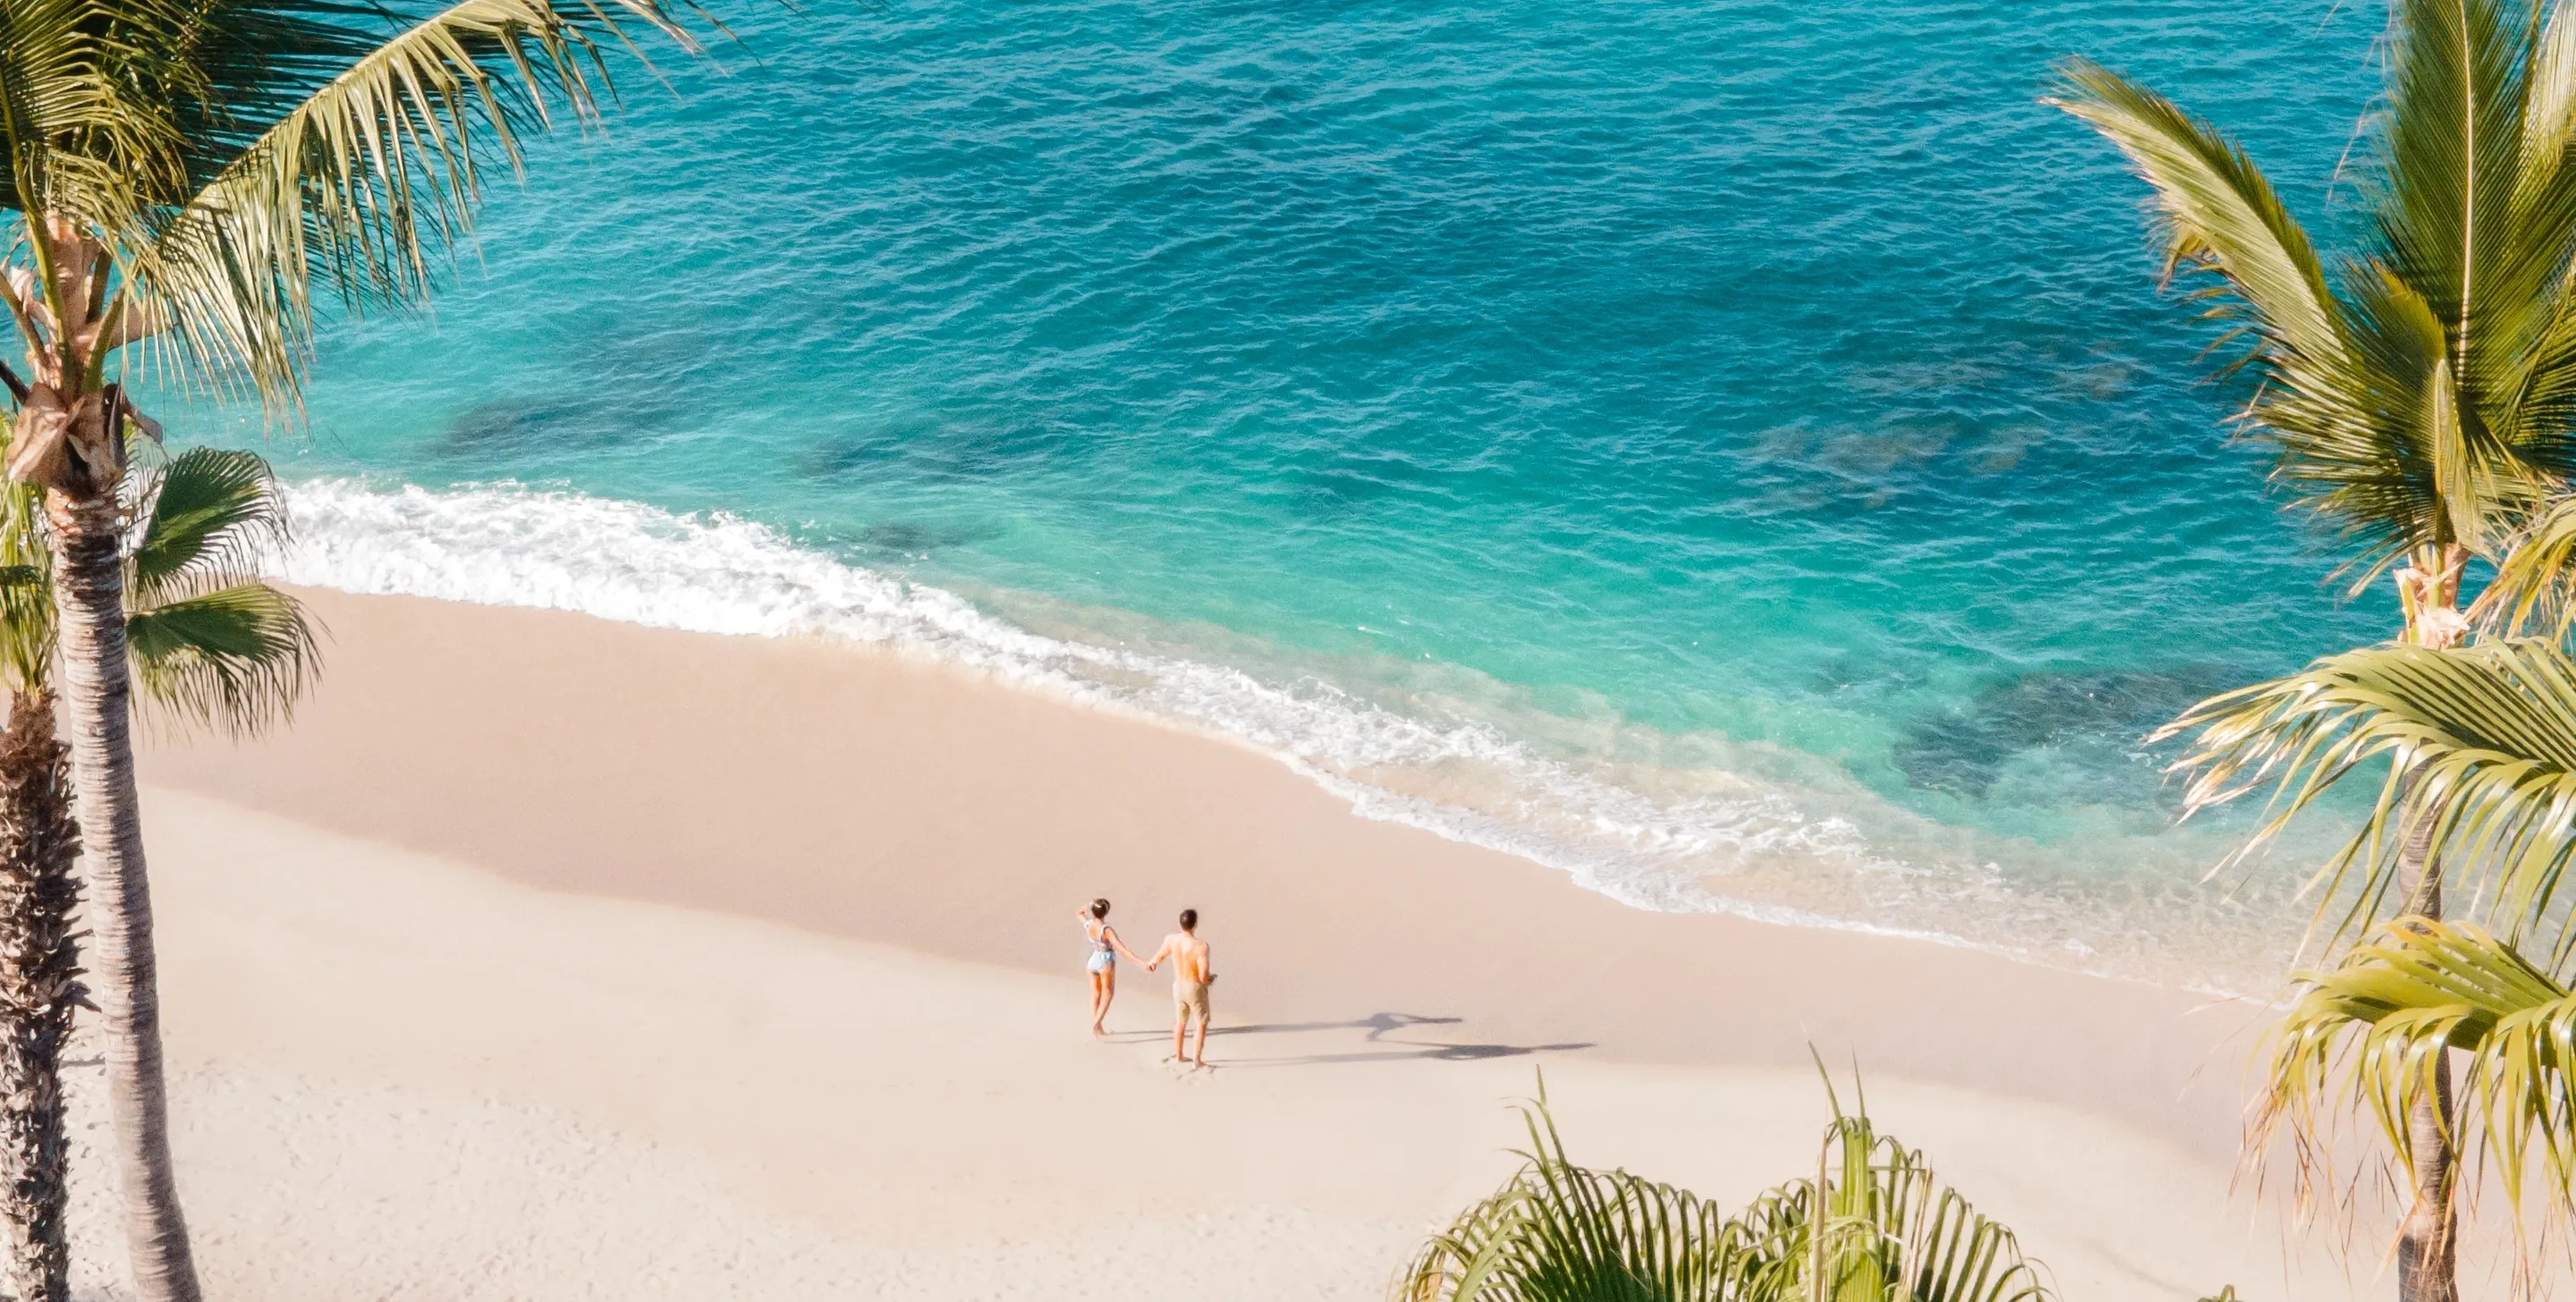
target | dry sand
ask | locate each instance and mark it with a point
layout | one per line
(548, 958)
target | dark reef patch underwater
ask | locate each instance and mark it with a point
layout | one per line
(1961, 751)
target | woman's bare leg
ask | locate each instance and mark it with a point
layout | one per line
(1104, 988)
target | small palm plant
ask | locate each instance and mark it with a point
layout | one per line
(213, 646)
(1873, 1225)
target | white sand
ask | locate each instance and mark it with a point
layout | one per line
(482, 1075)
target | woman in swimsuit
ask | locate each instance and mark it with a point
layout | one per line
(1103, 965)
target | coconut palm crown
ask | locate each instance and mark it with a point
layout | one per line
(2419, 391)
(186, 176)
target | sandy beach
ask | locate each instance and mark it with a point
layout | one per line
(547, 957)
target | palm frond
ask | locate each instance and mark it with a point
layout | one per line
(90, 137)
(250, 63)
(2216, 210)
(233, 658)
(2533, 592)
(2360, 394)
(2369, 1035)
(26, 590)
(2447, 156)
(2528, 337)
(363, 185)
(1557, 1232)
(2417, 467)
(2481, 739)
(1873, 1224)
(209, 509)
(1883, 1226)
(209, 643)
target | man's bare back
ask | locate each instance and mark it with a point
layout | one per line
(1189, 956)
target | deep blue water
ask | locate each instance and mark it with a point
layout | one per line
(1764, 411)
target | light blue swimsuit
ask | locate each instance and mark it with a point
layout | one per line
(1103, 958)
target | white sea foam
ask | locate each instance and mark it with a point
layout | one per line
(515, 546)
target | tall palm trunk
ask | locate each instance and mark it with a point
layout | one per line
(2427, 1252)
(2427, 1265)
(39, 986)
(90, 615)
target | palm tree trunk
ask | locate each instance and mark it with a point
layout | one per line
(90, 617)
(2427, 1266)
(39, 987)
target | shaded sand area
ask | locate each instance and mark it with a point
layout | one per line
(553, 958)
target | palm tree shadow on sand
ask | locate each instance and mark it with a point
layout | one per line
(1377, 1026)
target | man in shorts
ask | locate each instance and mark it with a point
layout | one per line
(1191, 974)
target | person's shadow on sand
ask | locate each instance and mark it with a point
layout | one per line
(1379, 1026)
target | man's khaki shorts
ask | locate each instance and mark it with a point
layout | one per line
(1191, 998)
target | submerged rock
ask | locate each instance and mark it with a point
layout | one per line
(1963, 751)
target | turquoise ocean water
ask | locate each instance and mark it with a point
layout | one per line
(1734, 452)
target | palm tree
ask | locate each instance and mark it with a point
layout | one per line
(212, 646)
(185, 173)
(1872, 1225)
(2418, 394)
(39, 987)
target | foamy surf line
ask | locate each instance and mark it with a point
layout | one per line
(511, 545)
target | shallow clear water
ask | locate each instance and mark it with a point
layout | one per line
(1734, 451)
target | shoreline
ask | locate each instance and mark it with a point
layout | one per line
(801, 912)
(1692, 830)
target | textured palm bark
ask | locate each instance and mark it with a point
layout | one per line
(39, 988)
(2427, 1250)
(90, 622)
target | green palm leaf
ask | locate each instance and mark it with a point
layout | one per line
(1888, 1230)
(2361, 394)
(2484, 736)
(210, 509)
(2368, 1035)
(234, 658)
(209, 643)
(363, 183)
(2447, 155)
(1557, 1232)
(2533, 382)
(2216, 212)
(84, 131)
(1874, 1225)
(2534, 588)
(2421, 398)
(186, 173)
(26, 591)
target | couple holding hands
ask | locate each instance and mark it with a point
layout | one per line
(1190, 974)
